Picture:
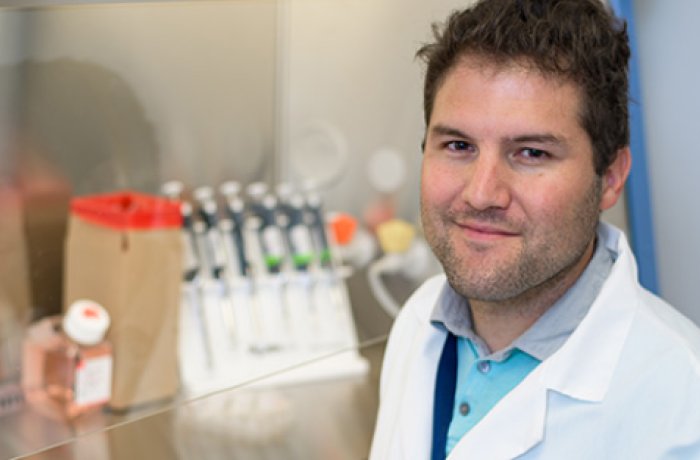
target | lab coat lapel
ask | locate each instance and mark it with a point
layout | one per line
(415, 423)
(512, 427)
(404, 425)
(583, 368)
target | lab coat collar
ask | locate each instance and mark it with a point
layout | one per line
(581, 369)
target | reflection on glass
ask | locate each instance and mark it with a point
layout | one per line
(102, 98)
(316, 420)
(67, 363)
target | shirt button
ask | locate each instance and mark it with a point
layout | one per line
(483, 366)
(464, 409)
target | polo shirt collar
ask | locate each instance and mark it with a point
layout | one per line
(549, 332)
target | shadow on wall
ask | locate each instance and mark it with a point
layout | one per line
(86, 122)
(78, 129)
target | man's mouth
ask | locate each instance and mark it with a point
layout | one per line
(485, 231)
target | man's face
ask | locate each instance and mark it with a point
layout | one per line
(509, 196)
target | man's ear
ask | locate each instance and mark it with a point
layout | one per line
(614, 178)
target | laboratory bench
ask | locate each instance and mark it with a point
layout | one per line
(263, 419)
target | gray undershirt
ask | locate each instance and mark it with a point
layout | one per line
(549, 332)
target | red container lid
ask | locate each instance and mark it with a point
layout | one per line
(128, 210)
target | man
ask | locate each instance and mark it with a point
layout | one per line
(538, 342)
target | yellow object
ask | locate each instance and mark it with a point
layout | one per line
(395, 235)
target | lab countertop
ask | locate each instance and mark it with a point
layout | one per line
(325, 419)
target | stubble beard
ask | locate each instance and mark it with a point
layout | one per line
(545, 256)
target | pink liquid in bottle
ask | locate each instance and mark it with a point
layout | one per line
(67, 364)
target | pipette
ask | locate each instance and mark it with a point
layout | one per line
(235, 210)
(216, 260)
(270, 291)
(297, 232)
(330, 297)
(270, 234)
(300, 292)
(208, 212)
(193, 282)
(243, 296)
(318, 228)
(191, 269)
(173, 190)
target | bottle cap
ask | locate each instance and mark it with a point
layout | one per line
(343, 227)
(86, 322)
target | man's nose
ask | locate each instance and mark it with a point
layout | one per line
(487, 182)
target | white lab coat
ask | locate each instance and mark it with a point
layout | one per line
(625, 385)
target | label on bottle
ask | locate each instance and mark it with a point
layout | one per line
(93, 380)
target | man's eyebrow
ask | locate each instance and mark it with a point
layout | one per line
(538, 138)
(444, 130)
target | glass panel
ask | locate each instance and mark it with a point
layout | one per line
(104, 98)
(317, 420)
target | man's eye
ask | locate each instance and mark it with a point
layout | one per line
(532, 154)
(458, 146)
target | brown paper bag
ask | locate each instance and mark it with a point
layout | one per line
(124, 252)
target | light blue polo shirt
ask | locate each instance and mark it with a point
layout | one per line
(485, 377)
(481, 384)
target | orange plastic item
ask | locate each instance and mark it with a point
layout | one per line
(343, 227)
(128, 210)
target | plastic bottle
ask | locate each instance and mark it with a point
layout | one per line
(67, 363)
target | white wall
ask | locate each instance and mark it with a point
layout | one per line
(668, 38)
(350, 64)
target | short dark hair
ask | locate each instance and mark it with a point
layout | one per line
(579, 40)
